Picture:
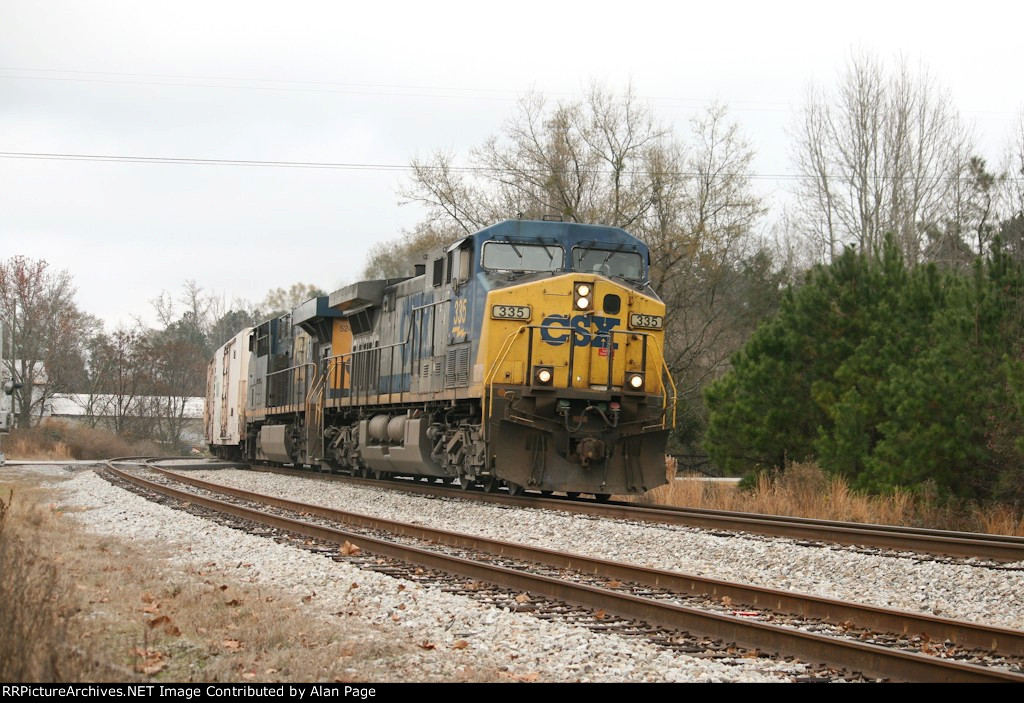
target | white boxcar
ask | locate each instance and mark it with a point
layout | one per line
(226, 379)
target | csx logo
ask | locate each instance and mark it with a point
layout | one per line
(556, 330)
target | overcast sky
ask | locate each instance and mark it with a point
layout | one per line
(345, 83)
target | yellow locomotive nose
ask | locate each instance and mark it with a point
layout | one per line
(587, 333)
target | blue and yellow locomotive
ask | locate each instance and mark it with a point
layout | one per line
(528, 354)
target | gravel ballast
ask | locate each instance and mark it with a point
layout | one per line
(892, 580)
(524, 647)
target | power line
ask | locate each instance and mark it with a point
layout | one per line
(387, 89)
(350, 166)
(382, 89)
(271, 88)
(356, 166)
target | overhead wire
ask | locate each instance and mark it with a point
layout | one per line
(356, 166)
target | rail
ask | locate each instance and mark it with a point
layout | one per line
(617, 598)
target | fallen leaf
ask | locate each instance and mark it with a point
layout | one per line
(232, 644)
(158, 621)
(614, 584)
(224, 587)
(522, 598)
(353, 586)
(394, 616)
(234, 602)
(349, 549)
(726, 600)
(153, 668)
(152, 661)
(427, 645)
(600, 614)
(460, 644)
(401, 606)
(401, 587)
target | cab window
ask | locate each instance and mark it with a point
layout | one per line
(514, 256)
(605, 262)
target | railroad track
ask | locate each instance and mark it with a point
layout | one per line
(643, 601)
(999, 548)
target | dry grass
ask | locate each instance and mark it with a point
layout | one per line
(804, 490)
(56, 440)
(36, 602)
(101, 609)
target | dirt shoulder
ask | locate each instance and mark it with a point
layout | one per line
(98, 608)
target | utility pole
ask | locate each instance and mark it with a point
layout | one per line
(5, 396)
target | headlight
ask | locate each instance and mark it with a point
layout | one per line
(582, 299)
(543, 375)
(635, 381)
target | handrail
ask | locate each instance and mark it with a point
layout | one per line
(675, 391)
(290, 368)
(489, 378)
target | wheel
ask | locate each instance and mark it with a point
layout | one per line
(603, 497)
(465, 482)
(514, 489)
(380, 475)
(546, 494)
(490, 484)
(572, 494)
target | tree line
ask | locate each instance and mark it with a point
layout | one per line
(135, 380)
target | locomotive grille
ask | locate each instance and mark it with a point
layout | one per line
(457, 367)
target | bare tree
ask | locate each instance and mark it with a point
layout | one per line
(716, 277)
(45, 330)
(584, 161)
(877, 156)
(118, 378)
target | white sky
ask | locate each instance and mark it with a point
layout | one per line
(341, 82)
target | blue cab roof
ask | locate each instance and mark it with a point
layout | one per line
(569, 234)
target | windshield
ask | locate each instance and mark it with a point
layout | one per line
(513, 256)
(627, 264)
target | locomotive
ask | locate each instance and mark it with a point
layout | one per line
(527, 355)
